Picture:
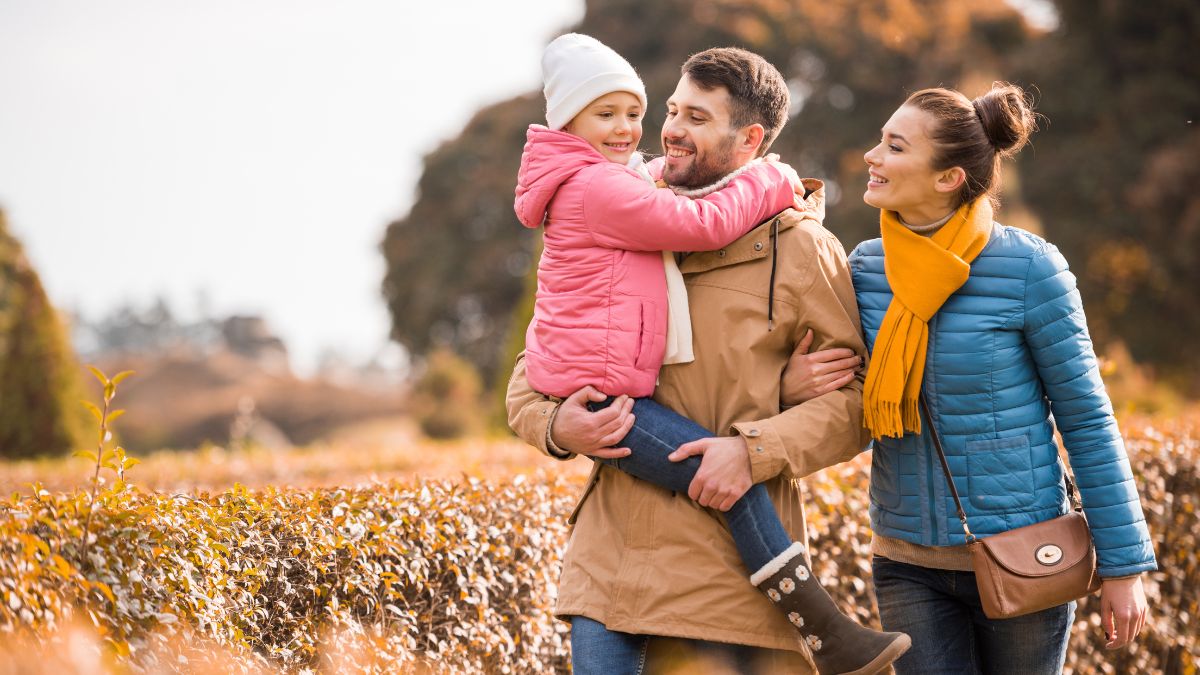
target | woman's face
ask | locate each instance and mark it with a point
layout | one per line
(900, 170)
(612, 124)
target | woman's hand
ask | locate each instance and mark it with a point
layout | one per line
(808, 376)
(1122, 610)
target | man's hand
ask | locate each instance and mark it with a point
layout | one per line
(724, 474)
(808, 376)
(584, 432)
(1122, 610)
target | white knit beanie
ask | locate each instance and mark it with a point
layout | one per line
(578, 69)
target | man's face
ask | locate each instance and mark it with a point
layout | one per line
(697, 139)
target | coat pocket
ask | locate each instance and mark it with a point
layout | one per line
(1000, 473)
(647, 329)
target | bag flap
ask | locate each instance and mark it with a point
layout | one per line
(1043, 548)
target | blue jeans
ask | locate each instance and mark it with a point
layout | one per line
(657, 431)
(595, 650)
(940, 610)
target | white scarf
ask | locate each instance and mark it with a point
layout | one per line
(679, 317)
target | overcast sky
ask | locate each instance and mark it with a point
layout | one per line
(253, 151)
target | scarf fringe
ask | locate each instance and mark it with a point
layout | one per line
(912, 415)
(892, 418)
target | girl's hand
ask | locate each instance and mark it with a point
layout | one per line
(808, 376)
(786, 169)
(1122, 610)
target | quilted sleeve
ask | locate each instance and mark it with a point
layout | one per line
(624, 211)
(1056, 331)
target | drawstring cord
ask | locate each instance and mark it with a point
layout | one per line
(774, 260)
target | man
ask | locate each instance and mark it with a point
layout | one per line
(644, 561)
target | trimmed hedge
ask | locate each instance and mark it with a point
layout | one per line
(439, 576)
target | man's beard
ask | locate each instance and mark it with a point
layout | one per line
(706, 168)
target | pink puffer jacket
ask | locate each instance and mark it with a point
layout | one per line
(600, 317)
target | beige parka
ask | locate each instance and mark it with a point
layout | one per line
(642, 559)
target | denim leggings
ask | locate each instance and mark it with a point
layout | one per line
(657, 431)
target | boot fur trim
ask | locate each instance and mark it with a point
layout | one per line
(777, 563)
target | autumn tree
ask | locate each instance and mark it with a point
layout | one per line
(1114, 172)
(40, 410)
(1108, 178)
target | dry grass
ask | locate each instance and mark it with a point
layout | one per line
(376, 451)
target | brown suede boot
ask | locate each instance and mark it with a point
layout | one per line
(839, 646)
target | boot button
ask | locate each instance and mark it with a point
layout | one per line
(758, 246)
(754, 433)
(721, 253)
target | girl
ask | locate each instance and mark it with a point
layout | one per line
(985, 323)
(611, 306)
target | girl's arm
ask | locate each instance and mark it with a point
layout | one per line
(624, 211)
(1056, 330)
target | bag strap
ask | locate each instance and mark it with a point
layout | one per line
(1072, 495)
(937, 445)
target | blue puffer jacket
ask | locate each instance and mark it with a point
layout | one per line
(1005, 350)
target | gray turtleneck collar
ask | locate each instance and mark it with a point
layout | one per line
(928, 230)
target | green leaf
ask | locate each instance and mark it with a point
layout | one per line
(99, 375)
(121, 376)
(95, 411)
(109, 391)
(131, 461)
(86, 454)
(114, 415)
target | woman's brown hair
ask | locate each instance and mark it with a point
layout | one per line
(976, 134)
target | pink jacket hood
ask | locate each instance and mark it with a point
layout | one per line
(550, 159)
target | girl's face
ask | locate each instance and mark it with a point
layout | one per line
(612, 124)
(900, 171)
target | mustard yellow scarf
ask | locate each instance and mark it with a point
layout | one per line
(923, 272)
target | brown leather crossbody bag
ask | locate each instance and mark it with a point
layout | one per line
(1030, 568)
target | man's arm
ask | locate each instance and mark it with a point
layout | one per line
(564, 429)
(810, 436)
(826, 430)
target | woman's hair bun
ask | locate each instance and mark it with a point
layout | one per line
(1006, 112)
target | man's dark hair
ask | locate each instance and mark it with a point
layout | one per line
(757, 92)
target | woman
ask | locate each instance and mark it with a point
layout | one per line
(984, 322)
